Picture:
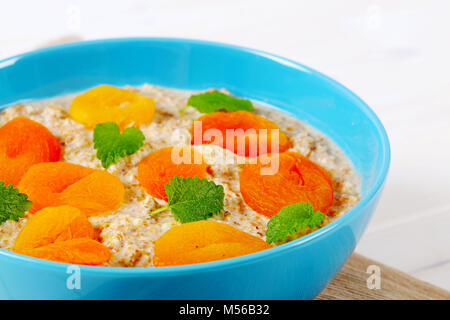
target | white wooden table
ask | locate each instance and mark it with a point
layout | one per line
(394, 54)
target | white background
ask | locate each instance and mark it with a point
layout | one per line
(394, 54)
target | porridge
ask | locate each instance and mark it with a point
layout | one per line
(130, 231)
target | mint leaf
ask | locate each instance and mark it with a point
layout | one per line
(13, 204)
(291, 219)
(213, 101)
(193, 199)
(111, 145)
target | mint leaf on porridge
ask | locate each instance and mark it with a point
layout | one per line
(13, 204)
(212, 101)
(111, 145)
(193, 199)
(291, 219)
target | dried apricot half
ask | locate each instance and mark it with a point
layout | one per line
(24, 142)
(297, 179)
(62, 234)
(62, 183)
(51, 225)
(242, 132)
(203, 241)
(75, 251)
(108, 103)
(155, 169)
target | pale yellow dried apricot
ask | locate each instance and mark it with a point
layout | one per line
(108, 103)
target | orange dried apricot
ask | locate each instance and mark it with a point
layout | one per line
(75, 251)
(108, 103)
(61, 183)
(248, 134)
(203, 241)
(24, 142)
(155, 169)
(62, 234)
(51, 225)
(297, 179)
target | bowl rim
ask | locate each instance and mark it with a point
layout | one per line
(246, 259)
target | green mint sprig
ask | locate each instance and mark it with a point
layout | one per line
(213, 101)
(13, 204)
(291, 219)
(111, 145)
(193, 199)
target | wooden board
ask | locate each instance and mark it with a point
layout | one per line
(351, 284)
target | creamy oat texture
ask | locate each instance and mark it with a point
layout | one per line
(130, 231)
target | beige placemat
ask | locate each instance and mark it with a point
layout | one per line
(351, 283)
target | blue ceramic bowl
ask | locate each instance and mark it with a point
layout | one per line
(296, 270)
